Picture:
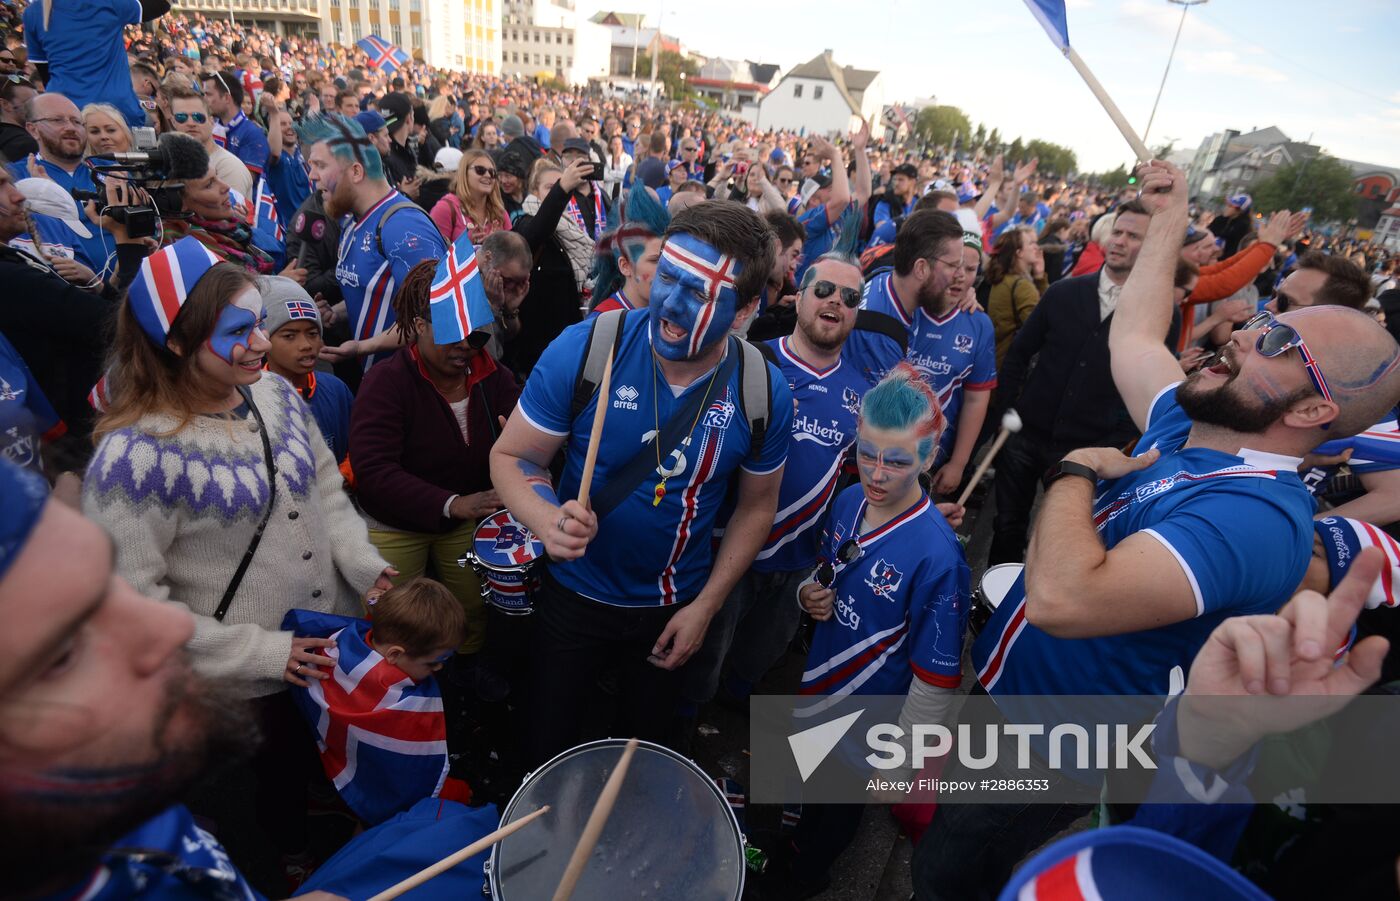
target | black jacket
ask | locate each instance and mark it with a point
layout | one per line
(320, 256)
(552, 304)
(1068, 399)
(16, 143)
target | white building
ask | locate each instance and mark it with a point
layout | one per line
(548, 37)
(734, 83)
(820, 97)
(462, 35)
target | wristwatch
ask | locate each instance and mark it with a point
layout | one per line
(1068, 468)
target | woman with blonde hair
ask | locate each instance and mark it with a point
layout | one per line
(473, 201)
(107, 131)
(440, 120)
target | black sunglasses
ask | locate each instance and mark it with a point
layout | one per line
(484, 172)
(849, 296)
(845, 555)
(1283, 302)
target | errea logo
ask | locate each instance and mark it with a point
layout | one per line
(626, 398)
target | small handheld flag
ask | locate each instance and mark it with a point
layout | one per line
(265, 212)
(1052, 17)
(457, 298)
(382, 54)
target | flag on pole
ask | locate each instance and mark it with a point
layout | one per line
(382, 54)
(265, 212)
(1051, 15)
(382, 737)
(457, 298)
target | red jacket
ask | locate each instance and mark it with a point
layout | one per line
(1090, 261)
(407, 449)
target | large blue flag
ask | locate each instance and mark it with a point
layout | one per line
(1051, 15)
(457, 298)
(382, 54)
(382, 737)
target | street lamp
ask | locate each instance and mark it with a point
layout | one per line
(1185, 5)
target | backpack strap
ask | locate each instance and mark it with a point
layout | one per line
(754, 392)
(604, 336)
(390, 210)
(884, 324)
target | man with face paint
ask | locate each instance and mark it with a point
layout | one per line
(640, 586)
(1135, 560)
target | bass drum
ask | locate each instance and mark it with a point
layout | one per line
(671, 833)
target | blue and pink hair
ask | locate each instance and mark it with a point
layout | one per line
(904, 401)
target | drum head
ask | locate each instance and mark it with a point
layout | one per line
(670, 835)
(500, 542)
(997, 581)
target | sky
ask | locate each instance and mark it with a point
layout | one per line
(1327, 69)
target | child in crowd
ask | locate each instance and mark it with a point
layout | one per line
(890, 595)
(293, 327)
(378, 719)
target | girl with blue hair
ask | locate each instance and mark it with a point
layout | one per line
(890, 596)
(627, 256)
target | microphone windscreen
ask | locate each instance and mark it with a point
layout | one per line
(185, 158)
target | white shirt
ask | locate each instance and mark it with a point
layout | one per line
(232, 172)
(1108, 295)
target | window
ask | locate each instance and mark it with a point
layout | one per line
(817, 92)
(571, 39)
(515, 57)
(417, 33)
(415, 5)
(355, 30)
(396, 35)
(374, 4)
(558, 37)
(548, 60)
(797, 90)
(393, 4)
(535, 36)
(570, 63)
(537, 59)
(339, 33)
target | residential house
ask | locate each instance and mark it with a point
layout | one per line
(821, 97)
(733, 83)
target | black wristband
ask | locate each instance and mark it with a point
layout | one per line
(1068, 468)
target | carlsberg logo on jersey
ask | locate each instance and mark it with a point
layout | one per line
(809, 428)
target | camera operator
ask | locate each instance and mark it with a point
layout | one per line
(59, 329)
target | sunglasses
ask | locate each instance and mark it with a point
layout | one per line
(849, 296)
(199, 118)
(784, 181)
(846, 554)
(1279, 338)
(16, 79)
(484, 171)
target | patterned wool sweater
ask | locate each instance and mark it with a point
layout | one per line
(182, 510)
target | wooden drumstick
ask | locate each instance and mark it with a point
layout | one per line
(452, 860)
(593, 829)
(596, 436)
(1011, 422)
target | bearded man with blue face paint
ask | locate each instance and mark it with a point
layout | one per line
(640, 584)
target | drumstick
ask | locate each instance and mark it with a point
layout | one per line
(452, 860)
(604, 388)
(594, 827)
(1011, 422)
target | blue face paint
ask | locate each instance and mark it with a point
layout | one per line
(890, 472)
(237, 324)
(693, 289)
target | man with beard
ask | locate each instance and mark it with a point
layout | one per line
(761, 613)
(53, 121)
(638, 585)
(383, 233)
(1135, 560)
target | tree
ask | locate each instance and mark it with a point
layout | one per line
(1115, 179)
(939, 124)
(1323, 183)
(979, 135)
(1054, 159)
(994, 140)
(669, 68)
(1017, 150)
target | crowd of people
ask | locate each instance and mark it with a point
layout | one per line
(248, 475)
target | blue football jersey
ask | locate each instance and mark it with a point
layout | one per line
(86, 54)
(330, 400)
(870, 353)
(367, 278)
(1241, 528)
(246, 140)
(820, 234)
(823, 428)
(901, 606)
(290, 184)
(647, 555)
(954, 353)
(27, 419)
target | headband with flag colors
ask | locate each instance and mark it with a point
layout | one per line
(716, 272)
(457, 300)
(164, 283)
(382, 54)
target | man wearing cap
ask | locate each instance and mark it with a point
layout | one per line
(399, 161)
(899, 201)
(1232, 225)
(60, 229)
(293, 328)
(587, 206)
(675, 177)
(244, 138)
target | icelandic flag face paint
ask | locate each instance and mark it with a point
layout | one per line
(237, 324)
(693, 290)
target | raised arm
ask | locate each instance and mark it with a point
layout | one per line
(863, 186)
(1142, 364)
(840, 183)
(996, 174)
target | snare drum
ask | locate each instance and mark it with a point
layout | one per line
(996, 582)
(671, 833)
(504, 556)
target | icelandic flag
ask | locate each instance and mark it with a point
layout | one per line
(457, 298)
(265, 212)
(382, 738)
(1051, 15)
(382, 54)
(1374, 450)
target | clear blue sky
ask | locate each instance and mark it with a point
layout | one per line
(1330, 69)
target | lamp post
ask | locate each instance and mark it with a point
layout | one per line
(1185, 5)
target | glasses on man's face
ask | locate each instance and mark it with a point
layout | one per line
(485, 172)
(951, 264)
(688, 150)
(784, 180)
(849, 296)
(61, 120)
(1279, 338)
(199, 118)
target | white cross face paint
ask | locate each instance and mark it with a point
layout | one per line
(693, 298)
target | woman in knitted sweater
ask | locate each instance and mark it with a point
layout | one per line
(1016, 274)
(180, 482)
